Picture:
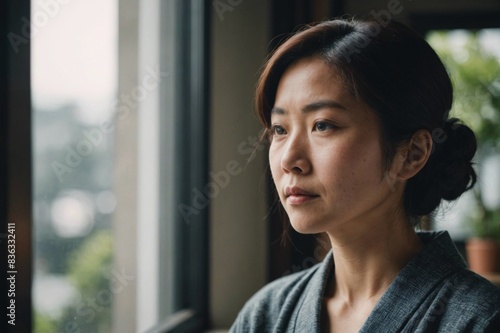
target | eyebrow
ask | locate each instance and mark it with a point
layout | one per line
(313, 107)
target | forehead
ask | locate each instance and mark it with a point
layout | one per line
(312, 79)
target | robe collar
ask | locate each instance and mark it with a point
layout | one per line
(438, 260)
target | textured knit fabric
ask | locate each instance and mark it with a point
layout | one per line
(434, 292)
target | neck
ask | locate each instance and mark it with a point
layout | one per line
(369, 257)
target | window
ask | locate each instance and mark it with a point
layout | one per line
(74, 63)
(119, 143)
(473, 59)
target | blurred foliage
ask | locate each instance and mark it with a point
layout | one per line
(45, 324)
(88, 263)
(89, 270)
(475, 74)
(487, 223)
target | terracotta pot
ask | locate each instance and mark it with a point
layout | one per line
(483, 255)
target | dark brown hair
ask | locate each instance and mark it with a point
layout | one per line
(395, 72)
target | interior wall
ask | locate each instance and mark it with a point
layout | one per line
(238, 228)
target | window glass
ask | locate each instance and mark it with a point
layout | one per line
(74, 63)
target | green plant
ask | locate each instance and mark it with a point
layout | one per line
(45, 324)
(475, 74)
(88, 269)
(487, 224)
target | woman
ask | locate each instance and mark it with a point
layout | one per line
(361, 147)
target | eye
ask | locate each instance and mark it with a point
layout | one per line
(277, 130)
(322, 126)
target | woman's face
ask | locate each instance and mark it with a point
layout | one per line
(325, 152)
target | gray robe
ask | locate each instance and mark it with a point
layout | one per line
(434, 292)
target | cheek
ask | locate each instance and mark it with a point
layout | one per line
(366, 168)
(352, 167)
(274, 161)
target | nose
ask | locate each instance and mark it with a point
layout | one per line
(295, 158)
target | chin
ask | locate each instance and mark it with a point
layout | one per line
(306, 226)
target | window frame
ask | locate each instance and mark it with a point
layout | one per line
(16, 161)
(188, 167)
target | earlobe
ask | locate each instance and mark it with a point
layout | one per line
(417, 152)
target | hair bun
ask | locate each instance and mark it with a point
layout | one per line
(449, 171)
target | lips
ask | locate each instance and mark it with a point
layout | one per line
(296, 195)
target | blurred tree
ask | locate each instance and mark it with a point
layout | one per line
(89, 270)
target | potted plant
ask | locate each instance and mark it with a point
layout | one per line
(483, 249)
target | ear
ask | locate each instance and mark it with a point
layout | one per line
(412, 156)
